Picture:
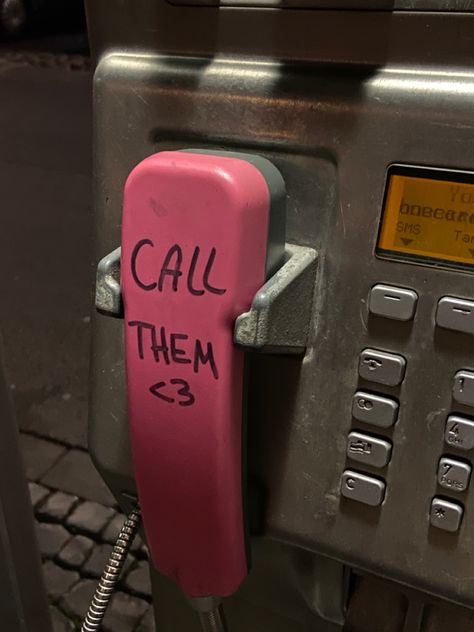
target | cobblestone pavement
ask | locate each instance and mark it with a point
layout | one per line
(75, 535)
(45, 244)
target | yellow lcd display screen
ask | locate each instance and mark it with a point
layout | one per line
(428, 217)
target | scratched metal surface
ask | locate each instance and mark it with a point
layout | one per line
(350, 5)
(332, 135)
(405, 95)
(353, 38)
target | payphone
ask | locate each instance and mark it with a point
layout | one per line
(358, 344)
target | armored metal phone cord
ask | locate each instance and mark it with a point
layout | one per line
(212, 621)
(111, 574)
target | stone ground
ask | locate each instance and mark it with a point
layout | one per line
(45, 255)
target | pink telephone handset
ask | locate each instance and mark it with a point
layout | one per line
(195, 251)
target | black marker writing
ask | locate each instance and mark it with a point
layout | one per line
(133, 264)
(202, 358)
(140, 326)
(207, 272)
(174, 347)
(175, 272)
(186, 396)
(156, 389)
(192, 269)
(174, 266)
(176, 352)
(162, 347)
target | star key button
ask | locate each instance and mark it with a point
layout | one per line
(446, 515)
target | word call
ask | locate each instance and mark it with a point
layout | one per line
(175, 270)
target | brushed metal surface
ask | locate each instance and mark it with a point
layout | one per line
(354, 38)
(332, 133)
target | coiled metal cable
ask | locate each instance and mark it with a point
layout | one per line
(213, 621)
(111, 574)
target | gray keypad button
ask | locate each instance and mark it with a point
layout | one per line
(463, 387)
(446, 515)
(384, 368)
(456, 313)
(392, 302)
(374, 409)
(454, 475)
(368, 450)
(362, 488)
(459, 432)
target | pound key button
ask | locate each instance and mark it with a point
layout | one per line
(362, 488)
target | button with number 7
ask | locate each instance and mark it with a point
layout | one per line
(454, 475)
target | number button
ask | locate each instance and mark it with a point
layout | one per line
(459, 432)
(454, 475)
(463, 387)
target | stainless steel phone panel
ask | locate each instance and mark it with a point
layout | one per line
(332, 135)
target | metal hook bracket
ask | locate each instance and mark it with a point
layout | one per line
(279, 318)
(280, 315)
(108, 290)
